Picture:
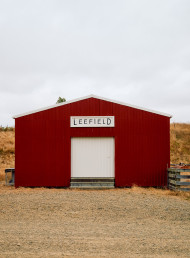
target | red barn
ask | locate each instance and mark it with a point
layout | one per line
(92, 138)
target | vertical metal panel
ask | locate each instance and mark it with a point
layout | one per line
(92, 157)
(43, 144)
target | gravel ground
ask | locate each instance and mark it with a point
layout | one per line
(101, 223)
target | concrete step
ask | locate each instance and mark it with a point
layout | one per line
(92, 187)
(92, 179)
(89, 183)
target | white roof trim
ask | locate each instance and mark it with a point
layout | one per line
(87, 97)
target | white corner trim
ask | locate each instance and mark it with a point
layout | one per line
(87, 97)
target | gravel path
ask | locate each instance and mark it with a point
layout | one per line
(102, 223)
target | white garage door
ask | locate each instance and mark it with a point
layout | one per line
(92, 157)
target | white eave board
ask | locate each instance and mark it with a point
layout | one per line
(87, 97)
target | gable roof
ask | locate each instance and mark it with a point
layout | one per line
(87, 97)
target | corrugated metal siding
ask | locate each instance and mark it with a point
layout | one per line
(43, 144)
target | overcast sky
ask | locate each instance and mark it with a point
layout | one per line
(135, 51)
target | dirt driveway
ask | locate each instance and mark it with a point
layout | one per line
(100, 223)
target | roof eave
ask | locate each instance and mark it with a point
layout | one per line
(91, 96)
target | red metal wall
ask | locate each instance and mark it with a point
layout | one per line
(43, 144)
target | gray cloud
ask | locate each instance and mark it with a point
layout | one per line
(134, 51)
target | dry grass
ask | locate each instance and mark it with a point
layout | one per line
(7, 141)
(135, 189)
(180, 143)
(7, 151)
(160, 192)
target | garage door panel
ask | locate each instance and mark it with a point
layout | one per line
(92, 157)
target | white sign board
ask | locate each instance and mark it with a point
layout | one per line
(92, 121)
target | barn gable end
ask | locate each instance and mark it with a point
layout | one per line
(43, 143)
